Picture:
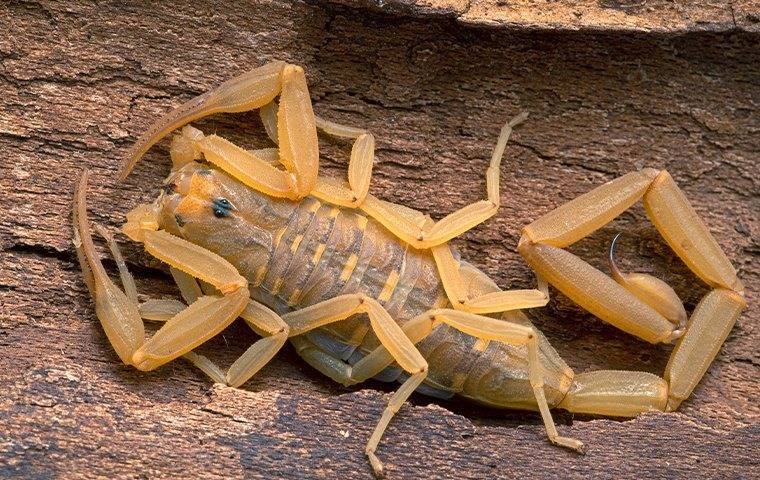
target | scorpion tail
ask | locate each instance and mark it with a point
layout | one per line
(248, 91)
(616, 393)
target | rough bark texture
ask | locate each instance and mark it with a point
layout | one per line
(664, 16)
(80, 82)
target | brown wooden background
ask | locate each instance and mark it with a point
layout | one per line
(79, 82)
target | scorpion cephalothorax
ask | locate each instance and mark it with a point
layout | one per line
(366, 288)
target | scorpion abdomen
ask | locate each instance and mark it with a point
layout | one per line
(296, 254)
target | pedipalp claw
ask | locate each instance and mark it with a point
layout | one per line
(117, 313)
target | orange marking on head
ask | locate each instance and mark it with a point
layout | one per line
(190, 206)
(200, 187)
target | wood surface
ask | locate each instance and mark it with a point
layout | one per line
(651, 16)
(80, 82)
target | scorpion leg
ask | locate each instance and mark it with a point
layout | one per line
(359, 168)
(391, 336)
(504, 331)
(491, 302)
(479, 326)
(455, 223)
(454, 283)
(248, 91)
(268, 115)
(354, 193)
(261, 319)
(678, 223)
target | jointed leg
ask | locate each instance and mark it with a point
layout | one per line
(503, 331)
(268, 115)
(391, 336)
(492, 302)
(295, 131)
(455, 223)
(486, 328)
(260, 318)
(354, 193)
(333, 190)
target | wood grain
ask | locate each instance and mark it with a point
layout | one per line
(650, 16)
(80, 82)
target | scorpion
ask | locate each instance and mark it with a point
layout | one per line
(365, 288)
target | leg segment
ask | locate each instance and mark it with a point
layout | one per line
(268, 115)
(392, 338)
(503, 331)
(295, 131)
(354, 193)
(486, 328)
(455, 223)
(359, 168)
(492, 302)
(261, 319)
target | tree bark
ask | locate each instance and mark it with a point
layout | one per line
(649, 16)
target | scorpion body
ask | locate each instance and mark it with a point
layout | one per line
(366, 288)
(297, 254)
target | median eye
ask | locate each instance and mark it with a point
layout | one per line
(222, 207)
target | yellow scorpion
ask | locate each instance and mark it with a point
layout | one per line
(364, 288)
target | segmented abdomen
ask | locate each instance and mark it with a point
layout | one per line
(298, 254)
(325, 251)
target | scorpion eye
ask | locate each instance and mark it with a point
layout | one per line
(222, 207)
(180, 221)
